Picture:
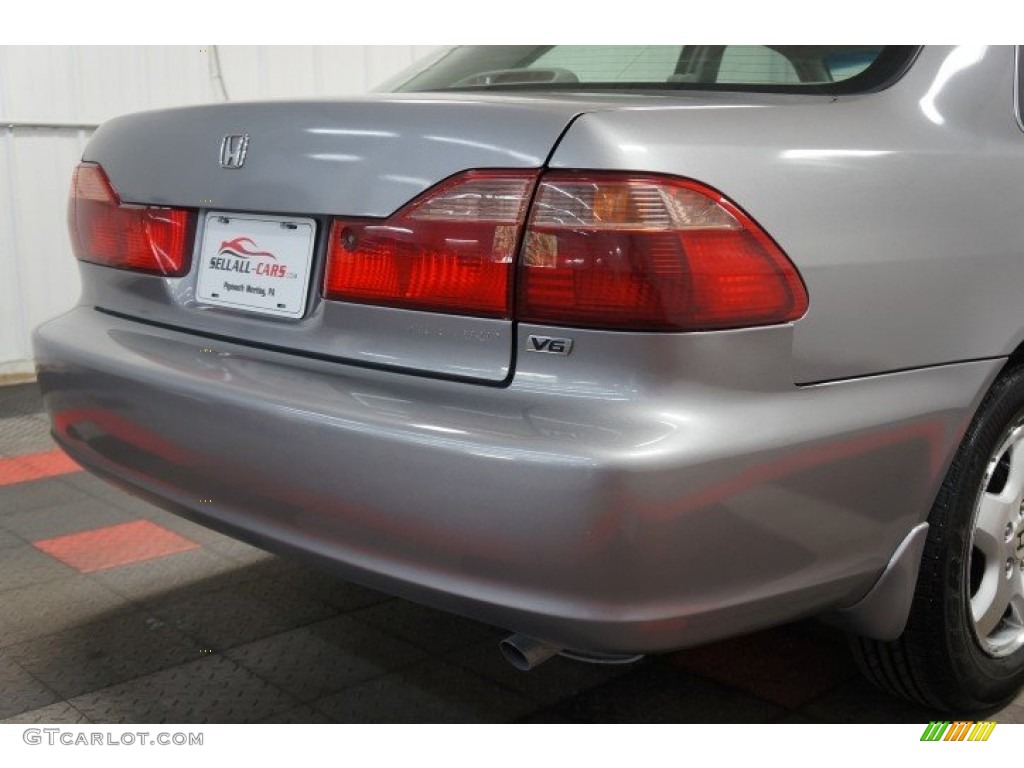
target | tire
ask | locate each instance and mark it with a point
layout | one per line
(961, 651)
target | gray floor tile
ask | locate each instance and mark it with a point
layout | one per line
(210, 690)
(436, 631)
(260, 568)
(9, 540)
(245, 554)
(186, 528)
(324, 658)
(168, 578)
(351, 634)
(92, 656)
(60, 713)
(21, 400)
(238, 614)
(857, 701)
(328, 589)
(210, 539)
(19, 691)
(44, 609)
(101, 490)
(234, 549)
(783, 666)
(427, 692)
(299, 716)
(82, 515)
(25, 565)
(656, 692)
(24, 434)
(37, 494)
(333, 598)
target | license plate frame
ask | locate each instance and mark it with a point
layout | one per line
(254, 263)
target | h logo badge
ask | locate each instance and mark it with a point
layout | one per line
(232, 150)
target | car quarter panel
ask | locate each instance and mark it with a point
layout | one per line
(576, 505)
(900, 208)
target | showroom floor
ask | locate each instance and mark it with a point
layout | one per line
(112, 611)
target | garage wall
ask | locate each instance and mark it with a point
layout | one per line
(75, 87)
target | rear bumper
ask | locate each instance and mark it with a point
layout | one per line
(626, 517)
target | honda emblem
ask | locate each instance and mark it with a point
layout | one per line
(232, 150)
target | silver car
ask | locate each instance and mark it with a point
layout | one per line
(621, 348)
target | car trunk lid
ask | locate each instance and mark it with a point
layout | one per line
(304, 164)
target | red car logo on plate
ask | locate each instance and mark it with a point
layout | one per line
(243, 248)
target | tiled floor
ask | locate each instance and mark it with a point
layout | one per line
(114, 611)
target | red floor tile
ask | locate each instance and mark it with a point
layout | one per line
(35, 466)
(114, 545)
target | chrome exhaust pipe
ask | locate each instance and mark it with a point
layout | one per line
(526, 653)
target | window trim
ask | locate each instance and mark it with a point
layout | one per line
(871, 80)
(1018, 88)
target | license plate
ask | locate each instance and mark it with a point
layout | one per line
(256, 263)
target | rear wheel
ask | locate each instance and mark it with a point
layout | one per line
(963, 646)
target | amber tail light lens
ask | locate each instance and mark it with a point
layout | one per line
(106, 231)
(451, 250)
(646, 252)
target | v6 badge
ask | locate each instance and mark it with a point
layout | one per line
(549, 345)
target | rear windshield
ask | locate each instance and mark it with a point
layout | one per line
(786, 68)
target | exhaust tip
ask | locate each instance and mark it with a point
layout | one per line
(526, 653)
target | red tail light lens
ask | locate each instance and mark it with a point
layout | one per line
(451, 250)
(639, 252)
(106, 231)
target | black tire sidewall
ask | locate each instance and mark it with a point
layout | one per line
(986, 680)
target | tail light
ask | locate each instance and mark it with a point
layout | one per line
(140, 237)
(601, 250)
(451, 250)
(640, 252)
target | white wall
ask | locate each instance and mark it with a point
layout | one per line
(86, 85)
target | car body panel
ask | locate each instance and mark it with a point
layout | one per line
(360, 156)
(645, 492)
(849, 189)
(444, 345)
(343, 158)
(577, 506)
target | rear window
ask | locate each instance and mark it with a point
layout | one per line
(789, 68)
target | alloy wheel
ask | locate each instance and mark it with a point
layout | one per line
(996, 561)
